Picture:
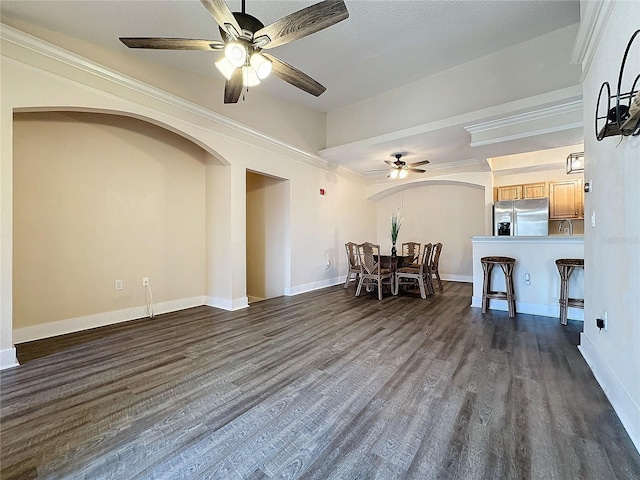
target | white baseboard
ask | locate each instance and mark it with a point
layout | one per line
(309, 287)
(330, 282)
(8, 358)
(531, 308)
(457, 278)
(628, 412)
(227, 304)
(70, 325)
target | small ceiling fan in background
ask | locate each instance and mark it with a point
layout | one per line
(400, 168)
(243, 39)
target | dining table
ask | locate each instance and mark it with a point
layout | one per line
(393, 263)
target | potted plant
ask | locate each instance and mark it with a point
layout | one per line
(396, 223)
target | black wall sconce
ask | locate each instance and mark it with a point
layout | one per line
(624, 117)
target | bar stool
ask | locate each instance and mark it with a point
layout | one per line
(507, 264)
(565, 268)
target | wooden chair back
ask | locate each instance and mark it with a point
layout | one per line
(411, 249)
(369, 258)
(352, 255)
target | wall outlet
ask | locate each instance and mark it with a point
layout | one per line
(117, 285)
(145, 281)
(601, 323)
(566, 231)
(527, 279)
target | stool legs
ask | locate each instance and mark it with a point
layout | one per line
(486, 285)
(507, 268)
(565, 273)
(506, 264)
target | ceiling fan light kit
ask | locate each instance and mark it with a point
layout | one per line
(261, 65)
(249, 77)
(225, 67)
(244, 37)
(236, 54)
(400, 168)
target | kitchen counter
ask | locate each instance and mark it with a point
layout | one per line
(535, 256)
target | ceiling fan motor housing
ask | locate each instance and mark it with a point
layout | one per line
(249, 25)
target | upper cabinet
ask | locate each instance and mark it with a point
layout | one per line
(535, 190)
(509, 192)
(519, 192)
(566, 199)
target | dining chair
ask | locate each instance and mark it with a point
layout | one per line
(352, 262)
(411, 249)
(416, 274)
(434, 263)
(372, 274)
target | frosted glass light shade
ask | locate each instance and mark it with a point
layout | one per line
(261, 65)
(249, 77)
(403, 173)
(236, 54)
(394, 174)
(225, 68)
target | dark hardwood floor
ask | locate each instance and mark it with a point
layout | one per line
(317, 386)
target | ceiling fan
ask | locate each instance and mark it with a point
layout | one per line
(400, 168)
(243, 39)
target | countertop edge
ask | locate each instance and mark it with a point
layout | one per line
(532, 239)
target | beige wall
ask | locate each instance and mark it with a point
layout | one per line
(448, 213)
(99, 198)
(266, 114)
(267, 226)
(540, 166)
(38, 77)
(612, 246)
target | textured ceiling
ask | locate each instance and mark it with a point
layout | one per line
(382, 45)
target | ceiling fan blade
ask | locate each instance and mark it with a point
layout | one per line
(233, 87)
(172, 43)
(219, 10)
(303, 22)
(391, 164)
(417, 164)
(416, 170)
(295, 77)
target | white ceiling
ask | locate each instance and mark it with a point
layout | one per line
(376, 49)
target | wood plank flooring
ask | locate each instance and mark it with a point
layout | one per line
(322, 385)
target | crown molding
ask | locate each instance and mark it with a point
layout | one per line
(530, 169)
(54, 52)
(540, 114)
(449, 165)
(594, 18)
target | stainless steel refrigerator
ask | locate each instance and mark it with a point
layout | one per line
(521, 217)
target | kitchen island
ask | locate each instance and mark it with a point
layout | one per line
(535, 256)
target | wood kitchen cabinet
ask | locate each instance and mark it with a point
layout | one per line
(535, 190)
(566, 200)
(509, 192)
(520, 192)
